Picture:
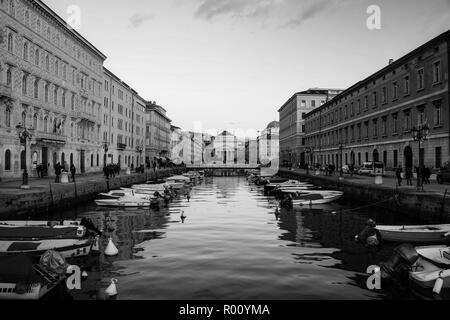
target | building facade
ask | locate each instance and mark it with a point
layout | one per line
(372, 120)
(292, 123)
(123, 123)
(51, 84)
(269, 143)
(158, 134)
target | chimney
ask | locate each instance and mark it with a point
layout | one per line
(391, 61)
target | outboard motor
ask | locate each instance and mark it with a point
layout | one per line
(401, 262)
(90, 226)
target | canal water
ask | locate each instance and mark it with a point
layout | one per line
(233, 246)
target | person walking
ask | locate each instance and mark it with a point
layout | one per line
(409, 176)
(73, 170)
(398, 174)
(154, 166)
(58, 169)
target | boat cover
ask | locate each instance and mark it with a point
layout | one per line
(18, 269)
(37, 232)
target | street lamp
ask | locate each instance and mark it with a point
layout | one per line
(24, 135)
(420, 134)
(308, 151)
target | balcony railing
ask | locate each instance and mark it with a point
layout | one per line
(51, 137)
(121, 146)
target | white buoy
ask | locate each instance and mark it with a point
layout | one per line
(112, 289)
(84, 274)
(111, 249)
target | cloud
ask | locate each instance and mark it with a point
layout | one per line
(308, 12)
(210, 9)
(138, 19)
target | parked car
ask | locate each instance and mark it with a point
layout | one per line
(443, 175)
(371, 168)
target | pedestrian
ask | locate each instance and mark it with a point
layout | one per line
(58, 169)
(409, 176)
(427, 174)
(398, 174)
(39, 170)
(73, 170)
(154, 166)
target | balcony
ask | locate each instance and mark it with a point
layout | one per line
(121, 146)
(5, 91)
(86, 116)
(54, 138)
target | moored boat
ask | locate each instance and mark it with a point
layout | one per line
(124, 202)
(316, 198)
(439, 233)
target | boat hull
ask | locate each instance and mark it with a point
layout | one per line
(414, 234)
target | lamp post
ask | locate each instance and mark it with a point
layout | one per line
(341, 148)
(420, 134)
(24, 135)
(308, 152)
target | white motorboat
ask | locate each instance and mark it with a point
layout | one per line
(318, 197)
(117, 194)
(18, 232)
(124, 202)
(438, 233)
(68, 248)
(31, 223)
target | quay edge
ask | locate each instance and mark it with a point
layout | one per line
(428, 207)
(63, 196)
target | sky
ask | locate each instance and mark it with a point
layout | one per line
(231, 64)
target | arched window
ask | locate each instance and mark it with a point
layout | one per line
(47, 63)
(9, 77)
(35, 121)
(10, 42)
(45, 124)
(72, 130)
(63, 102)
(46, 92)
(24, 119)
(7, 160)
(36, 57)
(55, 125)
(36, 88)
(24, 85)
(55, 97)
(92, 160)
(8, 117)
(25, 51)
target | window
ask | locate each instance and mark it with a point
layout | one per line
(384, 126)
(36, 88)
(436, 72)
(384, 95)
(407, 118)
(313, 104)
(366, 103)
(47, 63)
(374, 100)
(437, 113)
(395, 158)
(25, 51)
(303, 104)
(359, 107)
(366, 130)
(12, 7)
(63, 99)
(64, 72)
(55, 96)
(35, 121)
(56, 68)
(394, 123)
(438, 157)
(375, 128)
(72, 102)
(407, 86)
(24, 119)
(8, 117)
(46, 92)
(9, 77)
(7, 160)
(10, 42)
(36, 57)
(45, 123)
(24, 85)
(394, 90)
(420, 79)
(421, 117)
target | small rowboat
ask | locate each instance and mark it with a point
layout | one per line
(439, 233)
(68, 248)
(14, 232)
(123, 193)
(23, 279)
(317, 198)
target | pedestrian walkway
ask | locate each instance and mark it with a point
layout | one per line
(388, 181)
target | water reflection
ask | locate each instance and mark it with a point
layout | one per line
(233, 243)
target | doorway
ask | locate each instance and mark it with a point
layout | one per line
(408, 156)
